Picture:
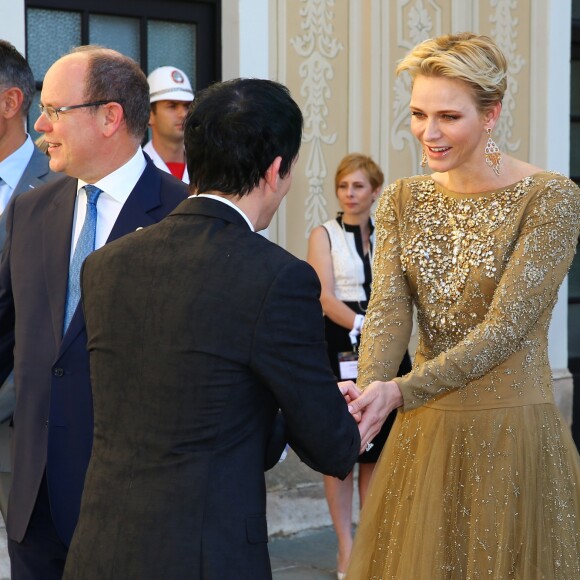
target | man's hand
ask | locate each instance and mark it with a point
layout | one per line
(350, 392)
(375, 403)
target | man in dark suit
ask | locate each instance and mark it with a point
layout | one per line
(22, 167)
(95, 109)
(199, 330)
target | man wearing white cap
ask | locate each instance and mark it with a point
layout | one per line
(170, 95)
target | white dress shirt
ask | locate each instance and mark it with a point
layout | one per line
(11, 170)
(156, 158)
(116, 188)
(227, 202)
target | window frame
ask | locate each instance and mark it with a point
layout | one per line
(205, 14)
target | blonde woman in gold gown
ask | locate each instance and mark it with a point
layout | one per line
(480, 477)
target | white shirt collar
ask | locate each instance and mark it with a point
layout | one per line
(122, 181)
(116, 187)
(12, 168)
(227, 202)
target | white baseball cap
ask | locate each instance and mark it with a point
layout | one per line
(168, 83)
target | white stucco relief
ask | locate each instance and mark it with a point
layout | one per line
(317, 47)
(416, 21)
(505, 33)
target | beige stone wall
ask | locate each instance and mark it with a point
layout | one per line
(316, 71)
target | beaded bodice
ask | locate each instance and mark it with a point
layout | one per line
(447, 242)
(483, 271)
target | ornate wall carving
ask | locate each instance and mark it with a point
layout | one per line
(416, 21)
(504, 30)
(317, 48)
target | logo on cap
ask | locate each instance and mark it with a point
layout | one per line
(177, 76)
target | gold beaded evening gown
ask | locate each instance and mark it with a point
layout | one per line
(480, 477)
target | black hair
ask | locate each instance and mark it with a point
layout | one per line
(235, 129)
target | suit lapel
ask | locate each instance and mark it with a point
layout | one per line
(134, 214)
(144, 198)
(211, 208)
(37, 167)
(56, 241)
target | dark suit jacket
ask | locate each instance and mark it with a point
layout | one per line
(52, 422)
(199, 330)
(36, 173)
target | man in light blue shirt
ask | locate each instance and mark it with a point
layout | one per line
(12, 168)
(22, 167)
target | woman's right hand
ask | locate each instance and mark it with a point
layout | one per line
(375, 404)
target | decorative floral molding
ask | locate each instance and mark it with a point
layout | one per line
(317, 47)
(416, 21)
(505, 33)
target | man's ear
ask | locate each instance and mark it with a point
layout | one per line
(273, 173)
(11, 102)
(113, 117)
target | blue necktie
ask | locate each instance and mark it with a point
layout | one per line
(85, 245)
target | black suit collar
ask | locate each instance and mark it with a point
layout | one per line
(210, 208)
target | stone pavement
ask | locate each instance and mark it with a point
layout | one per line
(4, 560)
(308, 555)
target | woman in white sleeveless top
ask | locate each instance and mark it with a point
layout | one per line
(340, 250)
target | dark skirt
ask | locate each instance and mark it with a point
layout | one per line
(338, 341)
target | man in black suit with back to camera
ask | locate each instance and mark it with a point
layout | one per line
(199, 331)
(94, 114)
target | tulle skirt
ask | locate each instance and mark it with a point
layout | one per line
(491, 493)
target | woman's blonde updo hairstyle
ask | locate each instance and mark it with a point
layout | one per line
(472, 58)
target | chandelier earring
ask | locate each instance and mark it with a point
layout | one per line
(492, 153)
(423, 158)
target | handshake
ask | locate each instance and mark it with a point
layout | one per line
(371, 406)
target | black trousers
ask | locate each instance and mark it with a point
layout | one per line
(41, 554)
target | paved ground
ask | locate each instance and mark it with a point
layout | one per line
(309, 555)
(4, 560)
